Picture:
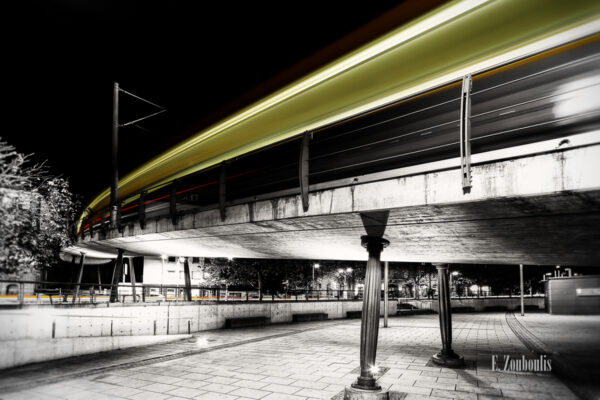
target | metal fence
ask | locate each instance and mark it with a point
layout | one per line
(43, 292)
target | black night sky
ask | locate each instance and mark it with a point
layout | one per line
(197, 60)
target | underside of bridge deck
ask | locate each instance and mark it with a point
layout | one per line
(540, 209)
(552, 229)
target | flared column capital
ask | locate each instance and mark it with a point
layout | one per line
(374, 244)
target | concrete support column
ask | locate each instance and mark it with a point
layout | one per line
(116, 278)
(369, 328)
(446, 357)
(188, 280)
(133, 280)
(79, 277)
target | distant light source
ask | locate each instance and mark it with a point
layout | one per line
(348, 269)
(316, 265)
(340, 270)
(455, 273)
(230, 258)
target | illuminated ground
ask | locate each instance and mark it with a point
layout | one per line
(299, 361)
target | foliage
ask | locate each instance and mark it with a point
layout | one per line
(413, 276)
(275, 276)
(36, 210)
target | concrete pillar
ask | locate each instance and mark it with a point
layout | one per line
(133, 280)
(99, 278)
(117, 272)
(188, 280)
(369, 328)
(79, 277)
(446, 357)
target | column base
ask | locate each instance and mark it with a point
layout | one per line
(353, 393)
(448, 359)
(366, 384)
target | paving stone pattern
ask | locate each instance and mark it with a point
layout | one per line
(316, 361)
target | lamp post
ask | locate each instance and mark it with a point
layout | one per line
(345, 273)
(317, 266)
(454, 274)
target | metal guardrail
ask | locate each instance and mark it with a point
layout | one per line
(47, 292)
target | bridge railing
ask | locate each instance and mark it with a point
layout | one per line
(529, 102)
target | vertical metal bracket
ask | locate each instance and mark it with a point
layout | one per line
(304, 169)
(142, 210)
(465, 133)
(84, 222)
(105, 222)
(222, 189)
(91, 222)
(173, 203)
(119, 224)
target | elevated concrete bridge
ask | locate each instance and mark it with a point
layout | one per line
(390, 164)
(539, 207)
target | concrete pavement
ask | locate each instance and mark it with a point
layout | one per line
(299, 361)
(573, 343)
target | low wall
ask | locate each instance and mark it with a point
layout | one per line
(60, 328)
(25, 351)
(482, 304)
(47, 322)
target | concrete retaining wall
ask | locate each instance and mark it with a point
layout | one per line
(481, 304)
(47, 322)
(42, 333)
(25, 351)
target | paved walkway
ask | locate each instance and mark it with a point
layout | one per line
(294, 362)
(573, 342)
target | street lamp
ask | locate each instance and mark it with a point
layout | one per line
(317, 266)
(453, 274)
(344, 272)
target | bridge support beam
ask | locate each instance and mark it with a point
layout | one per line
(188, 280)
(369, 328)
(117, 276)
(79, 277)
(133, 280)
(446, 357)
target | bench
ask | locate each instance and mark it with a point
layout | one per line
(463, 309)
(231, 323)
(496, 308)
(309, 317)
(353, 314)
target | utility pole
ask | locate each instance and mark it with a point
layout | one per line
(386, 302)
(114, 185)
(522, 289)
(114, 188)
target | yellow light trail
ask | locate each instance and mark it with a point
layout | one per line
(456, 39)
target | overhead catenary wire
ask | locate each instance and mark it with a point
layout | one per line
(142, 99)
(142, 118)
